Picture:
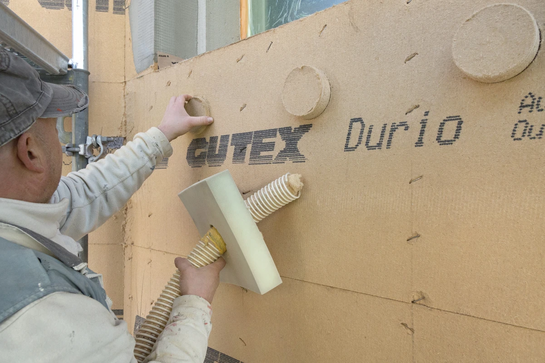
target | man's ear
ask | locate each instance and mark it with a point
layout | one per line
(29, 153)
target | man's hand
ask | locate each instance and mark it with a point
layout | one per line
(202, 281)
(177, 122)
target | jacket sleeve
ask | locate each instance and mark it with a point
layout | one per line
(100, 190)
(185, 338)
(65, 328)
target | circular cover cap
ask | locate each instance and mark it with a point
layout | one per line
(306, 92)
(496, 43)
(198, 106)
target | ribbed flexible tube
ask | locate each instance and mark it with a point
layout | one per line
(157, 319)
(271, 198)
(265, 201)
(203, 255)
(209, 248)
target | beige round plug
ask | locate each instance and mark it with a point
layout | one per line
(306, 92)
(496, 43)
(198, 106)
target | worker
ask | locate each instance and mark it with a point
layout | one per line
(53, 308)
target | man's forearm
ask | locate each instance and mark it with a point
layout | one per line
(103, 188)
(185, 338)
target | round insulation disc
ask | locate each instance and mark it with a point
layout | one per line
(306, 92)
(198, 106)
(496, 43)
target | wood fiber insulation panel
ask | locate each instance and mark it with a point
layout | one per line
(303, 322)
(442, 337)
(445, 207)
(108, 260)
(107, 110)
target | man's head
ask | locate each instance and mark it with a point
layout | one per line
(30, 153)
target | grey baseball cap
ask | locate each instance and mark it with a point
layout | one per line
(24, 97)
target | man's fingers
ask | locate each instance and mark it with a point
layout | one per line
(217, 265)
(200, 120)
(182, 263)
(181, 99)
(186, 97)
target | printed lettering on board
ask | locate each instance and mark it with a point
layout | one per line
(367, 136)
(281, 145)
(448, 132)
(259, 147)
(531, 127)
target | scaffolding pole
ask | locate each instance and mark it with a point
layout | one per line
(80, 121)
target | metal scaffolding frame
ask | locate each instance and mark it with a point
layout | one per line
(16, 34)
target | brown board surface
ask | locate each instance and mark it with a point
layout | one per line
(418, 236)
(420, 185)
